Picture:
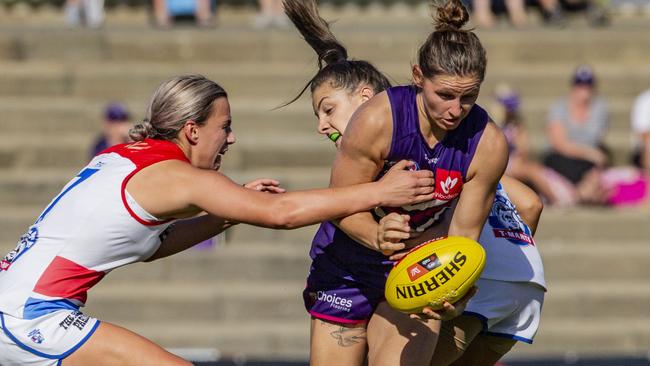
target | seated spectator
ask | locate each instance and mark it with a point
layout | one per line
(641, 130)
(484, 11)
(88, 12)
(576, 128)
(554, 189)
(165, 11)
(115, 129)
(595, 10)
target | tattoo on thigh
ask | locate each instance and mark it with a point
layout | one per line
(347, 337)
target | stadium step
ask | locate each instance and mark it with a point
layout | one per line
(269, 338)
(608, 334)
(290, 339)
(55, 116)
(110, 80)
(256, 297)
(559, 230)
(390, 43)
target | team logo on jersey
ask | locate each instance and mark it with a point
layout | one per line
(423, 267)
(414, 167)
(24, 244)
(506, 222)
(36, 336)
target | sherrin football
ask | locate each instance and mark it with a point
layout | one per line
(435, 272)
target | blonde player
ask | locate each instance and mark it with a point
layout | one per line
(140, 202)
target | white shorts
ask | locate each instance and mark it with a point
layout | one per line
(44, 341)
(507, 309)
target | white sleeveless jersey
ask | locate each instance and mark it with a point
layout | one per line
(511, 251)
(90, 228)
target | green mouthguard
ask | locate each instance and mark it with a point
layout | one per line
(334, 136)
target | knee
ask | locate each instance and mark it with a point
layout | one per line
(531, 209)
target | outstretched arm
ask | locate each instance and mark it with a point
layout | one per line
(185, 234)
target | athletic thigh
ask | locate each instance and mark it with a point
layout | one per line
(396, 339)
(337, 344)
(112, 345)
(485, 350)
(456, 337)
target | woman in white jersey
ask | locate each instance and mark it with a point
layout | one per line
(143, 201)
(338, 89)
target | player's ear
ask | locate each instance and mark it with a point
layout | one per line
(366, 93)
(418, 77)
(191, 132)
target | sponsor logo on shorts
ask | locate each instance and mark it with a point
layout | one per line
(36, 336)
(335, 301)
(438, 279)
(423, 267)
(76, 319)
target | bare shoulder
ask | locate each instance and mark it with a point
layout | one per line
(371, 127)
(168, 188)
(493, 139)
(491, 154)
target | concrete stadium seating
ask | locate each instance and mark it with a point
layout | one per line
(244, 297)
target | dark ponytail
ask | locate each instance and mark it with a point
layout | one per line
(316, 31)
(333, 63)
(450, 49)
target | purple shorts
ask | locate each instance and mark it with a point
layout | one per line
(346, 282)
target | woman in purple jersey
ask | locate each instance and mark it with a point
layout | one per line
(339, 337)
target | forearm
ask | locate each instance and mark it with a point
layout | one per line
(361, 227)
(298, 209)
(578, 151)
(186, 233)
(470, 224)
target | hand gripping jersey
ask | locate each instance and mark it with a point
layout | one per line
(92, 227)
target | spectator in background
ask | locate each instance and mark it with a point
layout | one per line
(576, 129)
(92, 12)
(641, 130)
(115, 129)
(595, 10)
(271, 14)
(554, 189)
(484, 11)
(165, 11)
